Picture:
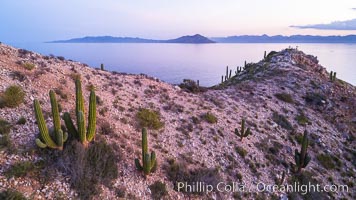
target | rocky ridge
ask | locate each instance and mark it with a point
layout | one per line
(186, 136)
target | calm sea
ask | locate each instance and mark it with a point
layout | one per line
(204, 62)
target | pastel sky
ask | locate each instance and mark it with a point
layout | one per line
(45, 20)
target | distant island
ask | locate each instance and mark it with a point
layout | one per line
(189, 39)
(285, 39)
(199, 39)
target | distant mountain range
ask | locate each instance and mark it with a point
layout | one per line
(286, 39)
(199, 39)
(192, 39)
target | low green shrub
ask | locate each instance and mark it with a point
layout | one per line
(158, 190)
(149, 118)
(302, 119)
(90, 167)
(5, 127)
(20, 169)
(315, 98)
(282, 121)
(12, 97)
(241, 151)
(10, 194)
(28, 66)
(210, 118)
(178, 172)
(284, 97)
(328, 161)
(21, 121)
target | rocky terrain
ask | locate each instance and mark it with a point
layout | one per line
(280, 97)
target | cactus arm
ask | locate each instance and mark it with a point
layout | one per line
(80, 108)
(297, 158)
(242, 126)
(40, 144)
(303, 149)
(144, 145)
(79, 103)
(59, 138)
(92, 116)
(65, 136)
(147, 164)
(307, 160)
(42, 126)
(69, 124)
(153, 160)
(248, 132)
(81, 127)
(138, 165)
(55, 112)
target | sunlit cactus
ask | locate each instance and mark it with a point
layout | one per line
(45, 139)
(242, 133)
(85, 134)
(148, 161)
(302, 158)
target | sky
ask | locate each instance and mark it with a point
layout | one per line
(44, 20)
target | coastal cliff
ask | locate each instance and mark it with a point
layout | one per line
(192, 134)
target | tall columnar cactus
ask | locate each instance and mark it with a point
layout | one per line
(222, 79)
(148, 161)
(243, 133)
(230, 73)
(331, 76)
(82, 133)
(45, 139)
(227, 72)
(302, 158)
(334, 76)
(102, 66)
(265, 55)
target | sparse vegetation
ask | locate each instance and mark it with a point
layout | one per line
(284, 97)
(179, 172)
(210, 118)
(302, 119)
(5, 127)
(105, 128)
(75, 76)
(90, 167)
(282, 121)
(28, 66)
(20, 169)
(10, 194)
(12, 97)
(241, 151)
(149, 118)
(158, 190)
(191, 86)
(21, 121)
(328, 161)
(315, 99)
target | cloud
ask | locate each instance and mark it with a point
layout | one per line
(337, 25)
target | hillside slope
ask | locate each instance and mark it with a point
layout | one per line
(280, 97)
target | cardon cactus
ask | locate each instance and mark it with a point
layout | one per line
(148, 161)
(243, 133)
(45, 139)
(82, 133)
(302, 158)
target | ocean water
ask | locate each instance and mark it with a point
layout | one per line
(204, 62)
